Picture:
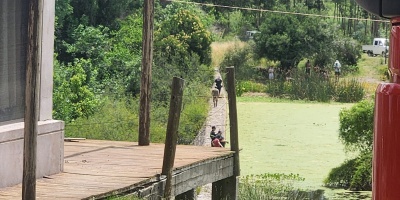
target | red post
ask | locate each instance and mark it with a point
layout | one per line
(386, 158)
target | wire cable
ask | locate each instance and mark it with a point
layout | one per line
(279, 12)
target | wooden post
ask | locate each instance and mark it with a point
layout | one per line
(145, 84)
(233, 122)
(172, 133)
(32, 99)
(228, 188)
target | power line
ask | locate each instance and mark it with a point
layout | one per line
(277, 11)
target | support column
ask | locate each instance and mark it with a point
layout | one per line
(226, 189)
(386, 157)
(189, 195)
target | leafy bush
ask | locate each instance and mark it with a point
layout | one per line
(249, 86)
(356, 126)
(72, 96)
(241, 59)
(354, 174)
(362, 179)
(341, 177)
(348, 51)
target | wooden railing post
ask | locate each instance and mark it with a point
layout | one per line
(172, 133)
(32, 99)
(228, 188)
(145, 81)
(233, 122)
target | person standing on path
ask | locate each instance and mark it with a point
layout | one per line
(271, 73)
(218, 84)
(215, 95)
(337, 67)
(308, 68)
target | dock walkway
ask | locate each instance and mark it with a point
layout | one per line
(98, 169)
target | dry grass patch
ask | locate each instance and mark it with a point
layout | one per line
(218, 50)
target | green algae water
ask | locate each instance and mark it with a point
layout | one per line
(298, 138)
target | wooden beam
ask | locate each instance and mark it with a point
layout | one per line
(172, 133)
(233, 122)
(145, 84)
(32, 99)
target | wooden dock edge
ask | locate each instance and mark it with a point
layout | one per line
(184, 179)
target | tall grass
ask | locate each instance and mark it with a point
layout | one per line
(118, 119)
(349, 90)
(316, 88)
(249, 86)
(274, 186)
(218, 50)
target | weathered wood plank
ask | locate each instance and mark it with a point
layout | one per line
(96, 167)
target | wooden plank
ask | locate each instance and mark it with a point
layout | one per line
(96, 167)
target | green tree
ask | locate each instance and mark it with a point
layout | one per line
(356, 133)
(356, 126)
(291, 38)
(190, 31)
(123, 61)
(72, 98)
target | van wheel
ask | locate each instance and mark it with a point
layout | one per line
(370, 53)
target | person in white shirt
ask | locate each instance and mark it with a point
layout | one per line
(337, 67)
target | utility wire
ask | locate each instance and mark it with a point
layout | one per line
(280, 12)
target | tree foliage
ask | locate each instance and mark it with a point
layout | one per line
(98, 64)
(72, 97)
(356, 126)
(187, 29)
(291, 38)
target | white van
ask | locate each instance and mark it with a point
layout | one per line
(380, 46)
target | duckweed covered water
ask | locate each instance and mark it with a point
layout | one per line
(298, 138)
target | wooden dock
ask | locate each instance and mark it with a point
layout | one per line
(96, 169)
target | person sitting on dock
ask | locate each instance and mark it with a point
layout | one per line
(221, 138)
(212, 134)
(216, 143)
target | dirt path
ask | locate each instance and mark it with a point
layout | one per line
(216, 117)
